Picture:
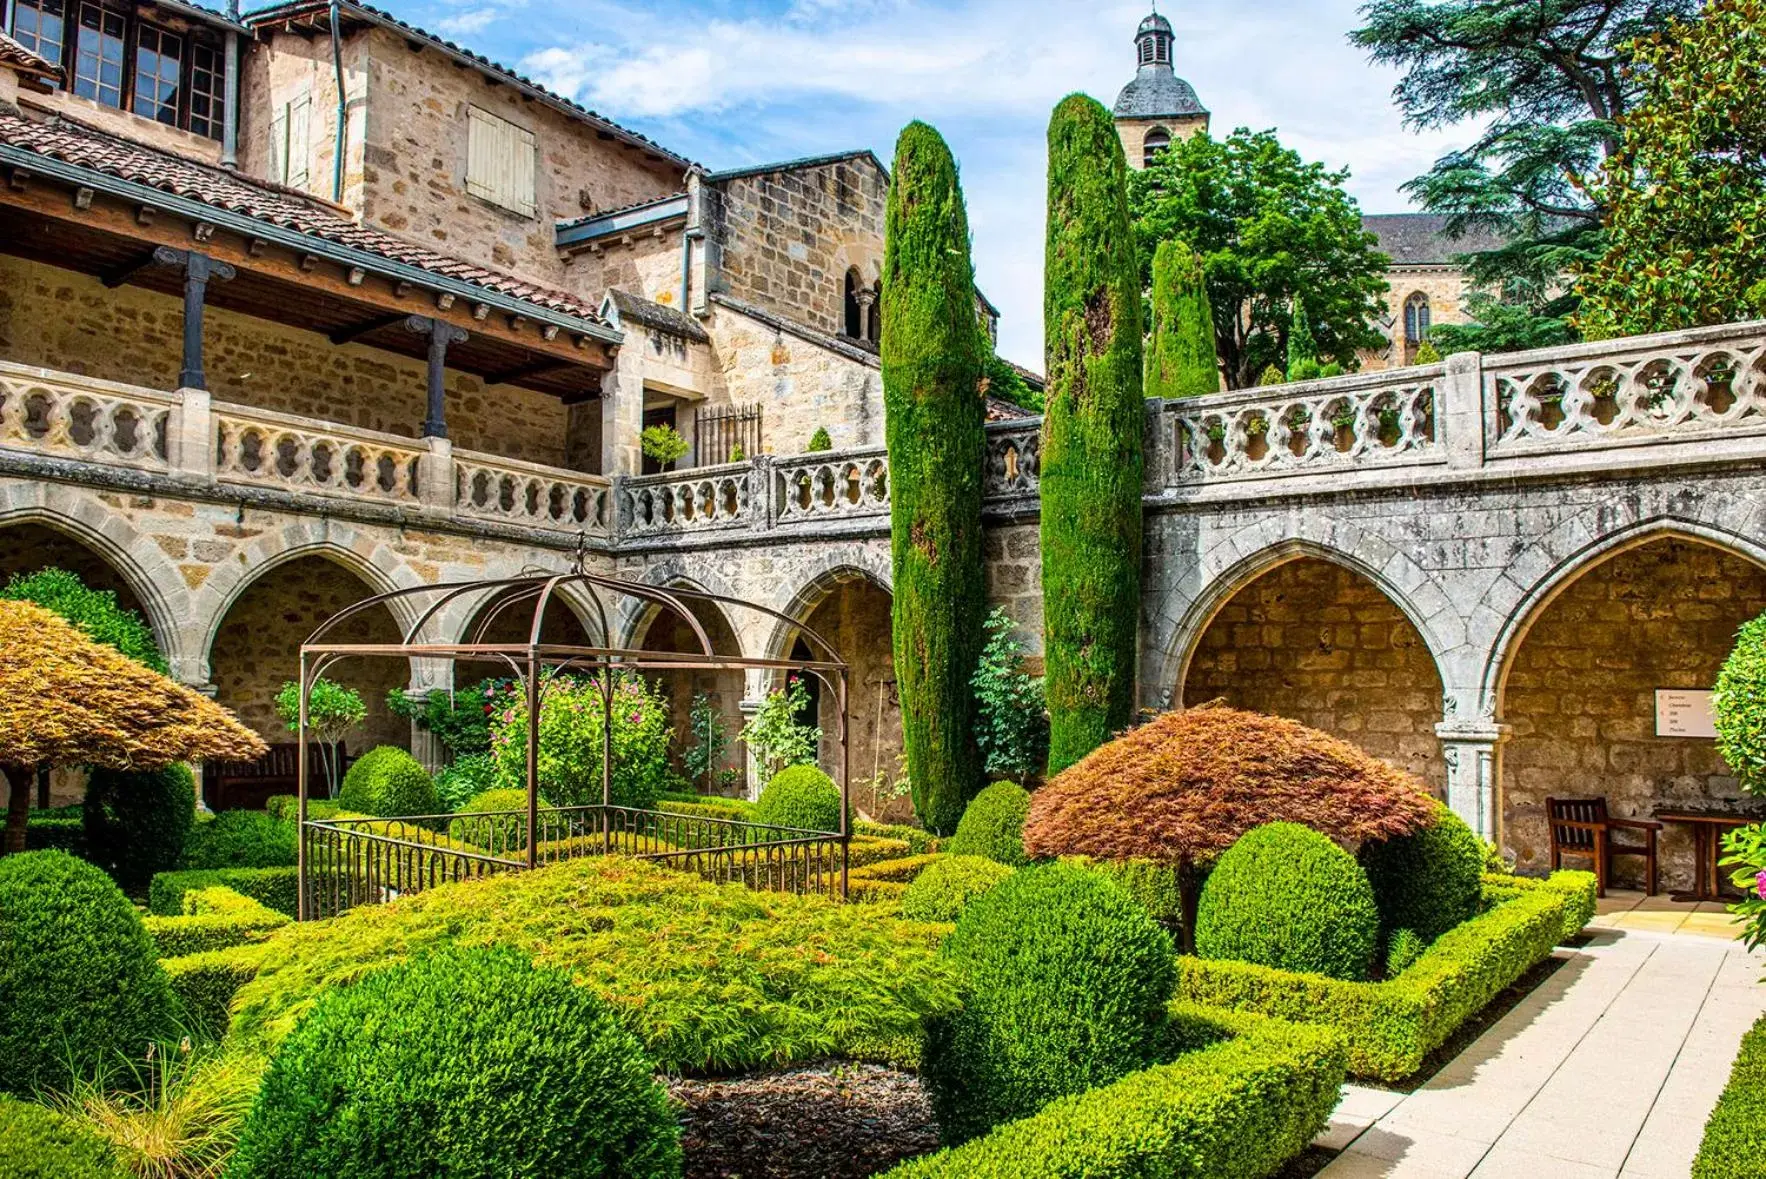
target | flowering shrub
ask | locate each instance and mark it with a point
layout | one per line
(571, 717)
(1745, 849)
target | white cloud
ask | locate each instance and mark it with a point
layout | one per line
(467, 23)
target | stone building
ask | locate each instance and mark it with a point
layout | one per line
(258, 362)
(1157, 108)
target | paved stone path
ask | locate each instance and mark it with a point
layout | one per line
(1608, 1069)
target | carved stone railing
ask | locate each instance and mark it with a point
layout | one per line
(1373, 419)
(699, 500)
(1684, 386)
(305, 456)
(1014, 459)
(490, 488)
(79, 418)
(832, 485)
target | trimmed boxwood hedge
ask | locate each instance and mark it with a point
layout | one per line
(1390, 1027)
(865, 850)
(1734, 1145)
(213, 919)
(902, 870)
(1576, 888)
(241, 839)
(274, 888)
(945, 887)
(388, 783)
(205, 984)
(39, 1143)
(993, 825)
(1236, 1107)
(1428, 882)
(137, 821)
(919, 840)
(801, 797)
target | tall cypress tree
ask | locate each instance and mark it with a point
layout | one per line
(1181, 361)
(1302, 348)
(933, 360)
(1091, 444)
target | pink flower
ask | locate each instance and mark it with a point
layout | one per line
(1760, 885)
(633, 719)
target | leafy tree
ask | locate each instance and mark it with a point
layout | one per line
(95, 612)
(775, 734)
(1181, 361)
(1272, 375)
(1427, 353)
(1500, 326)
(1091, 445)
(1006, 383)
(1302, 348)
(1687, 190)
(710, 739)
(934, 355)
(1267, 226)
(1547, 79)
(663, 444)
(1012, 715)
(333, 710)
(819, 441)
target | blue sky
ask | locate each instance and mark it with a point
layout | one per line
(734, 82)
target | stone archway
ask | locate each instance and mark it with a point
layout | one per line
(662, 629)
(1577, 688)
(1318, 642)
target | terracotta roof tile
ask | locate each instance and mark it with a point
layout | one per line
(85, 147)
(16, 57)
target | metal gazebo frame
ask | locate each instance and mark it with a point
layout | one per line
(349, 861)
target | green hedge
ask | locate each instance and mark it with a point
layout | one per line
(1235, 1108)
(1577, 889)
(1390, 1027)
(920, 841)
(389, 783)
(240, 839)
(800, 797)
(1427, 882)
(1734, 1145)
(213, 919)
(274, 888)
(286, 807)
(39, 1143)
(865, 850)
(705, 808)
(876, 892)
(205, 984)
(897, 871)
(945, 887)
(993, 825)
(54, 831)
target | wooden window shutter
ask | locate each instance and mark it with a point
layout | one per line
(300, 143)
(279, 147)
(499, 162)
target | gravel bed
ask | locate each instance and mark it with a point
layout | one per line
(827, 1121)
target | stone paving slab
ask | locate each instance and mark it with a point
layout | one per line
(1606, 1070)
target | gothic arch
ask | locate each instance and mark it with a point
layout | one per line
(845, 564)
(635, 616)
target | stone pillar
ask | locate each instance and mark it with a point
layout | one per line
(435, 477)
(1459, 410)
(1474, 773)
(757, 682)
(192, 445)
(622, 414)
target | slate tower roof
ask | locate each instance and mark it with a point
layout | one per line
(1156, 92)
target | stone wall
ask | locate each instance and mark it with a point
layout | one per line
(69, 321)
(787, 238)
(854, 617)
(648, 265)
(1013, 553)
(1133, 133)
(798, 384)
(723, 688)
(1581, 693)
(1317, 643)
(1446, 287)
(280, 70)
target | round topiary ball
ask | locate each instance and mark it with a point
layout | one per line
(1738, 706)
(39, 1143)
(1428, 882)
(136, 823)
(1068, 982)
(467, 1063)
(78, 971)
(801, 797)
(387, 782)
(945, 887)
(1285, 896)
(993, 825)
(241, 839)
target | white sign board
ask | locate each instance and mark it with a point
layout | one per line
(1684, 712)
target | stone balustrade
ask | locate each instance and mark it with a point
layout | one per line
(316, 458)
(832, 485)
(699, 500)
(490, 488)
(79, 418)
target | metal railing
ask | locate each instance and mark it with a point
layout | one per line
(364, 861)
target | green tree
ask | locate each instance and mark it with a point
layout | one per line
(333, 711)
(1267, 226)
(934, 357)
(1687, 190)
(1302, 348)
(1007, 384)
(1091, 436)
(1181, 361)
(1548, 82)
(95, 612)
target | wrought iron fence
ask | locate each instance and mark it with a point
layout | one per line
(718, 430)
(365, 861)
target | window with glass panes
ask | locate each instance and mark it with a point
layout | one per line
(159, 70)
(41, 27)
(208, 89)
(98, 58)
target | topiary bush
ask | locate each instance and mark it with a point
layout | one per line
(993, 825)
(386, 781)
(1068, 984)
(1428, 882)
(801, 797)
(504, 832)
(1734, 1143)
(135, 824)
(1287, 897)
(1738, 706)
(942, 889)
(39, 1143)
(467, 1063)
(78, 972)
(241, 839)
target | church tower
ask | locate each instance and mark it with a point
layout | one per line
(1158, 107)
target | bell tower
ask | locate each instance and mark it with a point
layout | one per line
(1157, 108)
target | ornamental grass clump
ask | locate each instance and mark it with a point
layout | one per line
(388, 782)
(1287, 897)
(993, 825)
(800, 797)
(79, 974)
(470, 1063)
(943, 889)
(1428, 882)
(136, 823)
(1068, 980)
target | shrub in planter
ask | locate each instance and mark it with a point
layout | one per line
(1428, 882)
(241, 839)
(77, 970)
(39, 1143)
(1287, 897)
(799, 796)
(462, 1063)
(135, 824)
(571, 718)
(941, 889)
(1068, 982)
(388, 782)
(993, 825)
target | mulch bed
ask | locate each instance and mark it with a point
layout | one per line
(827, 1121)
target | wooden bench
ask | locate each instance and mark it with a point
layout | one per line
(1582, 827)
(248, 785)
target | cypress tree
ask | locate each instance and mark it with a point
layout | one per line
(1091, 445)
(1302, 348)
(933, 361)
(1182, 362)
